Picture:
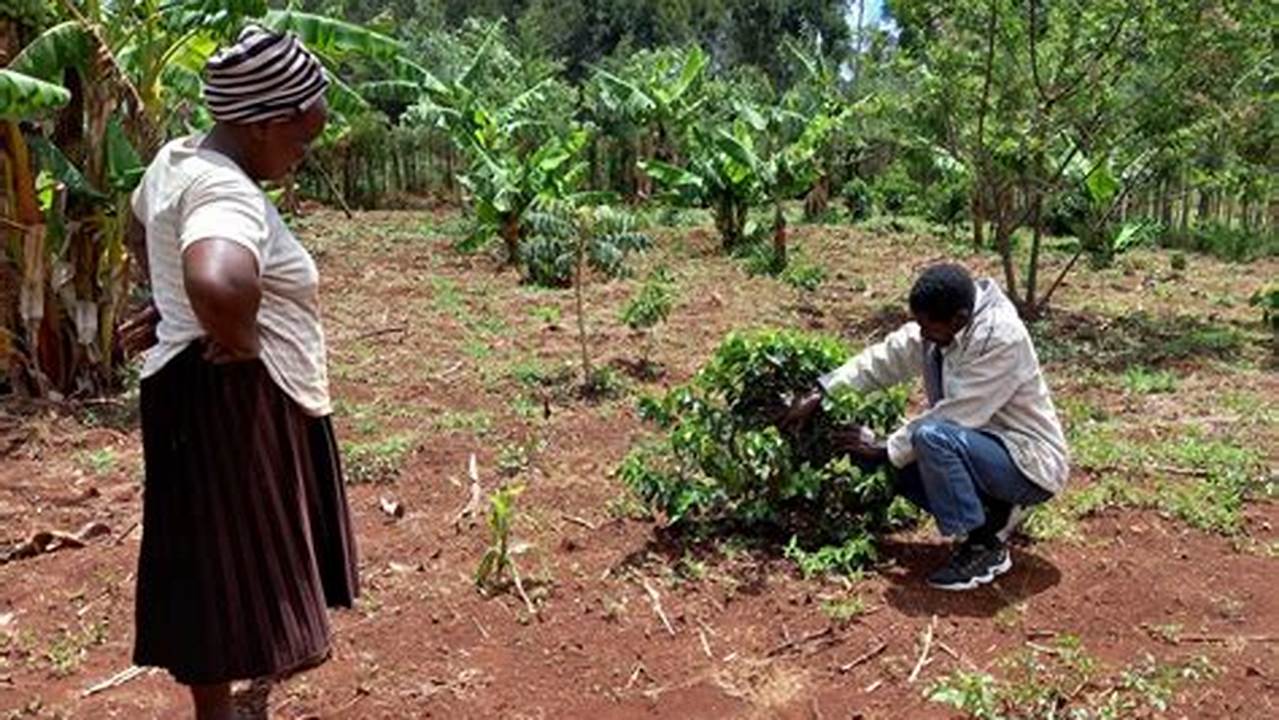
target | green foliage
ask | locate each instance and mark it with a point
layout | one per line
(332, 37)
(1011, 90)
(1135, 339)
(858, 198)
(497, 558)
(1062, 680)
(652, 303)
(521, 148)
(761, 258)
(895, 192)
(547, 314)
(847, 558)
(844, 610)
(1203, 483)
(102, 461)
(69, 647)
(757, 154)
(1226, 242)
(974, 693)
(652, 91)
(1267, 300)
(22, 96)
(1142, 380)
(804, 275)
(721, 459)
(376, 462)
(515, 458)
(549, 253)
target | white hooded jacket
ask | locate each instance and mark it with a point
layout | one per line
(991, 381)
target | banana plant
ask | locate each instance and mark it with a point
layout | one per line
(507, 177)
(22, 97)
(649, 103)
(792, 165)
(817, 93)
(516, 154)
(132, 69)
(719, 174)
(113, 59)
(766, 156)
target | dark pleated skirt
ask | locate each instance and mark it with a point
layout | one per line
(246, 534)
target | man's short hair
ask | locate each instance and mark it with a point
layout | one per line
(942, 291)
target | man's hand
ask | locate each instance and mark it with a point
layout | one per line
(794, 418)
(137, 332)
(860, 444)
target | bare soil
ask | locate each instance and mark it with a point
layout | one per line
(428, 350)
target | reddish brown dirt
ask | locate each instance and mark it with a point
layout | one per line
(424, 643)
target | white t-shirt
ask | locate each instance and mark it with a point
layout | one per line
(190, 194)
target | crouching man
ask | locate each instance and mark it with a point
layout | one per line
(989, 446)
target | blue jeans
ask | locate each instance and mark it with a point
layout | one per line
(958, 472)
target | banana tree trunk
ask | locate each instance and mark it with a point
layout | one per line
(510, 233)
(817, 201)
(643, 182)
(779, 238)
(726, 224)
(31, 296)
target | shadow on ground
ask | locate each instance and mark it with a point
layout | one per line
(911, 562)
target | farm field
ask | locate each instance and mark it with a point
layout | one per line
(1149, 589)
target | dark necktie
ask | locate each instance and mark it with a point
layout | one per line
(937, 373)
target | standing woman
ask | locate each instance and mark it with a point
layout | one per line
(246, 532)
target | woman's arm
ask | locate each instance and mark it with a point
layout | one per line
(222, 283)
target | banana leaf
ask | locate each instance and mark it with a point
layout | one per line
(335, 39)
(124, 165)
(64, 46)
(23, 96)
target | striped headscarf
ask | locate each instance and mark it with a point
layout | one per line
(264, 76)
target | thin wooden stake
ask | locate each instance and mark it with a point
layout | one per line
(864, 657)
(333, 188)
(519, 587)
(580, 521)
(115, 681)
(639, 668)
(706, 645)
(923, 656)
(1227, 638)
(656, 601)
(472, 507)
(951, 652)
(793, 643)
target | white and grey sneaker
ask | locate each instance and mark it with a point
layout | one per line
(973, 564)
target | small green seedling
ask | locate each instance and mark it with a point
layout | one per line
(650, 307)
(499, 557)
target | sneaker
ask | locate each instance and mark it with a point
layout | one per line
(971, 565)
(1016, 516)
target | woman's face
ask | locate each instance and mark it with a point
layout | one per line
(279, 145)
